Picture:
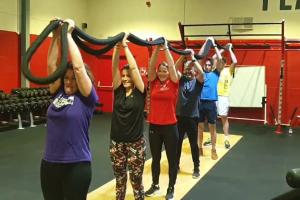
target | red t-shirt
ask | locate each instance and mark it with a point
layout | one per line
(163, 99)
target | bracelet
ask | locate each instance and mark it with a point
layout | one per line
(125, 46)
(193, 60)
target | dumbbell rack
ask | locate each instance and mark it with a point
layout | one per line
(24, 107)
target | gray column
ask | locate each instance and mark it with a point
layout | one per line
(24, 13)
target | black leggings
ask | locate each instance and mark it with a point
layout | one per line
(189, 126)
(167, 135)
(65, 181)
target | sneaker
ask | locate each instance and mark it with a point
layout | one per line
(200, 151)
(207, 142)
(170, 193)
(196, 174)
(154, 189)
(227, 144)
(214, 154)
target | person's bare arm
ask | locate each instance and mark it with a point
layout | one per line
(233, 59)
(116, 76)
(53, 58)
(171, 64)
(197, 66)
(178, 64)
(218, 62)
(84, 83)
(134, 71)
(152, 64)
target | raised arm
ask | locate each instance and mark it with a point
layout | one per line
(134, 71)
(198, 68)
(53, 58)
(83, 81)
(208, 44)
(170, 61)
(152, 64)
(116, 76)
(218, 62)
(178, 64)
(233, 59)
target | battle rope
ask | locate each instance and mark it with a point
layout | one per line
(35, 45)
(80, 38)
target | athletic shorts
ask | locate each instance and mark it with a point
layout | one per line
(207, 110)
(223, 105)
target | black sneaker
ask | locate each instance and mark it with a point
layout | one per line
(154, 189)
(170, 193)
(227, 144)
(196, 174)
(207, 142)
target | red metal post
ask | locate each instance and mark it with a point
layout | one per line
(281, 80)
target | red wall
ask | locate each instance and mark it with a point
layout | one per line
(101, 67)
(38, 64)
(9, 61)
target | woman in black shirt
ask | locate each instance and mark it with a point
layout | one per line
(127, 146)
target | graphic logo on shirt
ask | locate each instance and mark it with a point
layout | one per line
(163, 88)
(61, 101)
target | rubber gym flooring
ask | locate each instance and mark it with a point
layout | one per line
(253, 168)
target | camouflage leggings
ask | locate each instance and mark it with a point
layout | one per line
(131, 154)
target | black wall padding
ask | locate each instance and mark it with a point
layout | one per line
(293, 178)
(31, 50)
(134, 39)
(115, 39)
(92, 51)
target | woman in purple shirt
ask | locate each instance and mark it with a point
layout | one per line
(66, 165)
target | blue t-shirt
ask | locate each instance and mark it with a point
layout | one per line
(68, 120)
(210, 86)
(189, 91)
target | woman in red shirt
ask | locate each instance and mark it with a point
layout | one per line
(162, 118)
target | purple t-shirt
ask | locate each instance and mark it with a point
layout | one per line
(68, 120)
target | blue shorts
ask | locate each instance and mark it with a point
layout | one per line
(207, 110)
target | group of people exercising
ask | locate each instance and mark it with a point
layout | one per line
(181, 101)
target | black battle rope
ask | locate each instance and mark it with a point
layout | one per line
(92, 40)
(78, 34)
(35, 45)
(134, 39)
(80, 37)
(90, 50)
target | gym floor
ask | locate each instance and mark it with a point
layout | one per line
(254, 168)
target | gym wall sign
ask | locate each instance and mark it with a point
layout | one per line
(283, 5)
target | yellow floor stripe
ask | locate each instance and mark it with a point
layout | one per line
(184, 182)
